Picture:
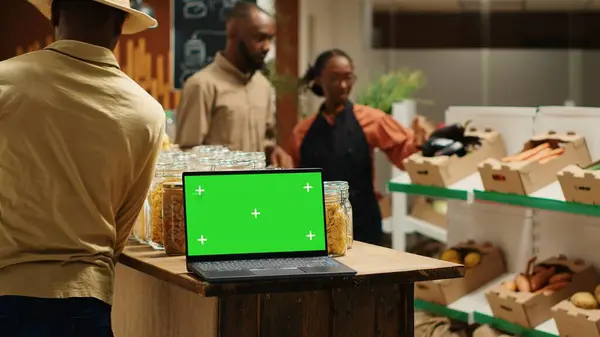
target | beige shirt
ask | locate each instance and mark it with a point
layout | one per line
(220, 105)
(78, 145)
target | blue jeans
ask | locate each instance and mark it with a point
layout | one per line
(70, 317)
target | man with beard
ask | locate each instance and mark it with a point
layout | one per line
(230, 102)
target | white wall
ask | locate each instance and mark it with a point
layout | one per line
(455, 77)
(466, 76)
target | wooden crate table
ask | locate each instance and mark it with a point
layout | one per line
(155, 296)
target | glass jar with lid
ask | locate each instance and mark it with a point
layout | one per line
(234, 165)
(141, 228)
(336, 221)
(206, 151)
(173, 219)
(344, 188)
(170, 173)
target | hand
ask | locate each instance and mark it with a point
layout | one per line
(280, 158)
(422, 129)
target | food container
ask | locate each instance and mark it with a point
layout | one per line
(140, 228)
(484, 263)
(234, 165)
(173, 219)
(531, 308)
(581, 183)
(344, 188)
(576, 322)
(336, 222)
(171, 173)
(536, 166)
(445, 170)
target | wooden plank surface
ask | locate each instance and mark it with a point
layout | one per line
(375, 265)
(149, 307)
(238, 313)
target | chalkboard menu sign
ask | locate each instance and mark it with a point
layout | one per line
(198, 33)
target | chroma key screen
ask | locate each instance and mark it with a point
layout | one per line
(271, 212)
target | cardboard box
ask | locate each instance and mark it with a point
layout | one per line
(531, 309)
(444, 171)
(487, 331)
(575, 322)
(424, 210)
(445, 292)
(526, 177)
(580, 185)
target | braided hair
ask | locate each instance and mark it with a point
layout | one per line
(315, 70)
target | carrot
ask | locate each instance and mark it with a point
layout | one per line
(553, 154)
(526, 154)
(538, 155)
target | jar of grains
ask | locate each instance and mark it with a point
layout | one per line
(171, 173)
(336, 221)
(173, 219)
(344, 188)
(140, 227)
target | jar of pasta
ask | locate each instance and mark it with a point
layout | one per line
(171, 173)
(173, 219)
(345, 195)
(336, 221)
(140, 228)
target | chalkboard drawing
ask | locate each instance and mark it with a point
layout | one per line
(194, 9)
(227, 5)
(194, 51)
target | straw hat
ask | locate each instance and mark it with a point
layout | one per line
(135, 22)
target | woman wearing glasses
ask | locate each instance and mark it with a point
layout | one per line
(341, 136)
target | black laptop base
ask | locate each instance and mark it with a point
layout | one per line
(336, 269)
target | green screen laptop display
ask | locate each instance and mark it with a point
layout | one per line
(245, 213)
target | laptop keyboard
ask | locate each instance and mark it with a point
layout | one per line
(266, 264)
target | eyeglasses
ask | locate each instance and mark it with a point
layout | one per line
(337, 79)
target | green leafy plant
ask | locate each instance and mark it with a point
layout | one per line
(394, 86)
(283, 83)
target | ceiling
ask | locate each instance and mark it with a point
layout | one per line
(494, 5)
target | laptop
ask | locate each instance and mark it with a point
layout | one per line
(251, 225)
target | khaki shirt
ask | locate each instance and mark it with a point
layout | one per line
(220, 105)
(78, 145)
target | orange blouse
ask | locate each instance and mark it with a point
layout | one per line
(381, 130)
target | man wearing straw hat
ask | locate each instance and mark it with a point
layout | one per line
(78, 144)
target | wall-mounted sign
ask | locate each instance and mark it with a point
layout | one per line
(198, 34)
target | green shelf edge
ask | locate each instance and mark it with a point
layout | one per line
(431, 191)
(441, 310)
(505, 326)
(538, 203)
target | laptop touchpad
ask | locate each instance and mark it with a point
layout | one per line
(271, 272)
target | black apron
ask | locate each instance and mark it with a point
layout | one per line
(343, 153)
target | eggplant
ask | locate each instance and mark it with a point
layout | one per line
(433, 145)
(455, 132)
(456, 148)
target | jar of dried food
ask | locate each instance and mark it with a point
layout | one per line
(171, 173)
(234, 165)
(336, 222)
(173, 219)
(140, 228)
(345, 195)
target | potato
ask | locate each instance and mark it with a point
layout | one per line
(510, 285)
(597, 293)
(522, 283)
(584, 300)
(450, 255)
(472, 260)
